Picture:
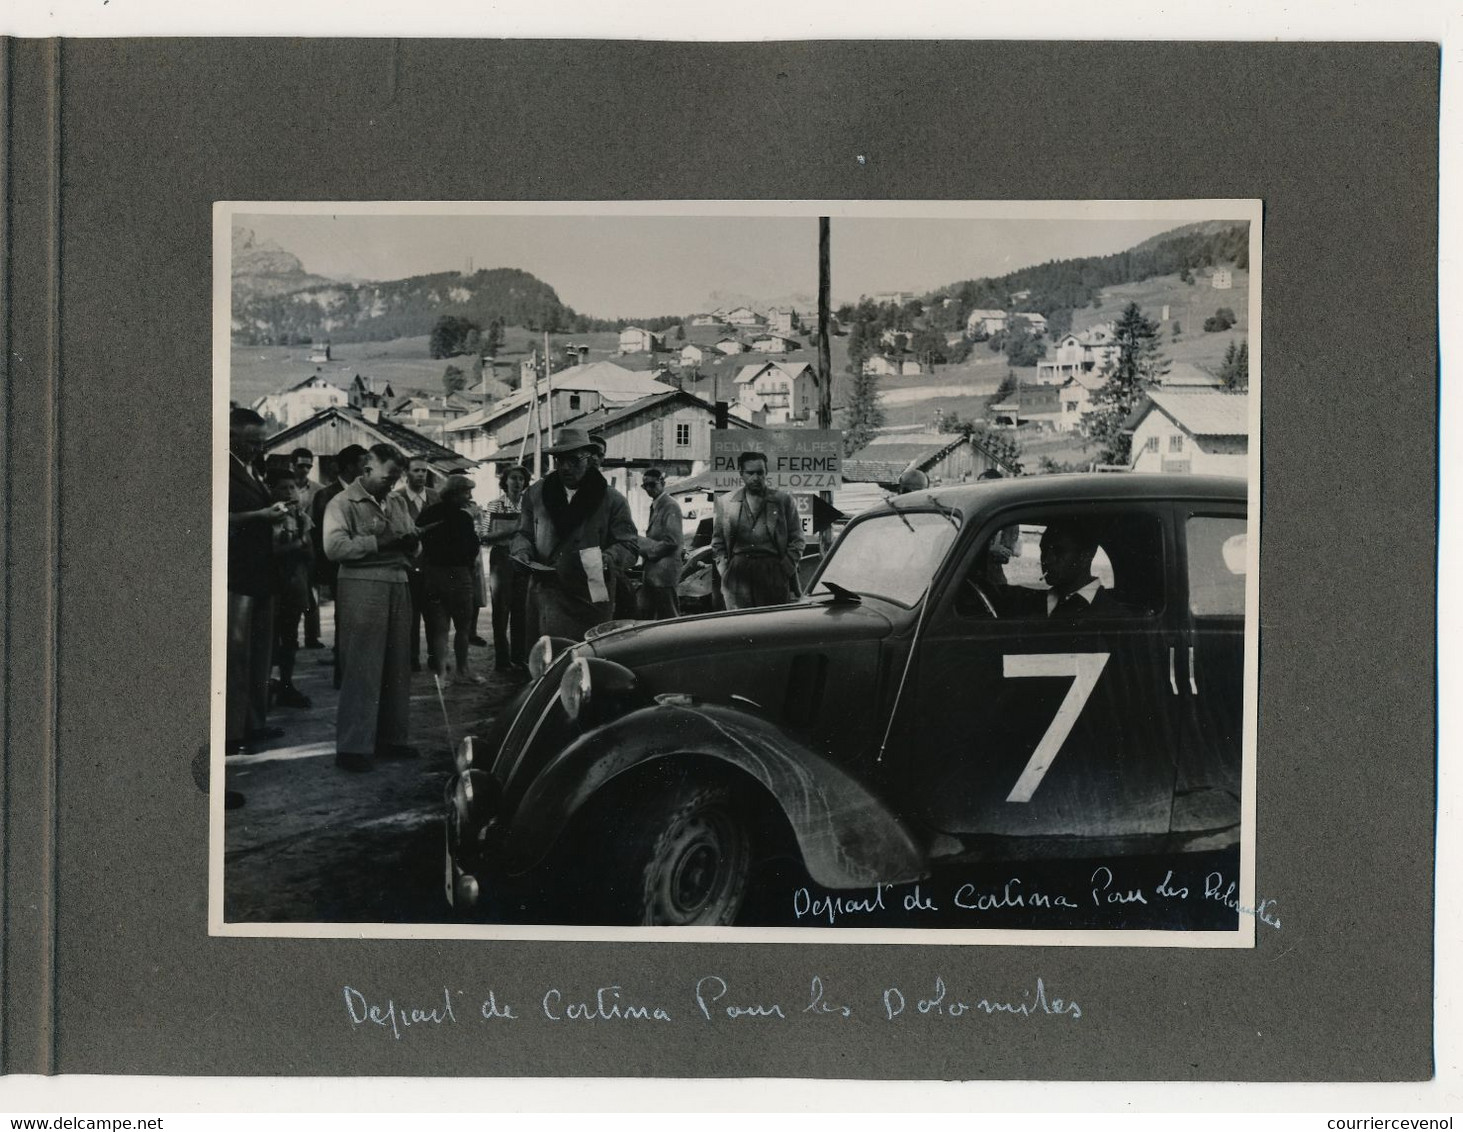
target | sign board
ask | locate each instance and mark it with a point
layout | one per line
(805, 513)
(798, 459)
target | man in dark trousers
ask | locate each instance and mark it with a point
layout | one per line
(302, 462)
(418, 498)
(578, 539)
(252, 518)
(372, 538)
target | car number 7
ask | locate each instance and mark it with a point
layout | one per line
(1084, 668)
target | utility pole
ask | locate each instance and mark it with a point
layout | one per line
(825, 363)
(549, 380)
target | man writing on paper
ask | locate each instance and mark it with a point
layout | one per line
(577, 537)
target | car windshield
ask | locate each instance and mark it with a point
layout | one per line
(891, 556)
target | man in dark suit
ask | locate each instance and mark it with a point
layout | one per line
(418, 498)
(1068, 547)
(252, 518)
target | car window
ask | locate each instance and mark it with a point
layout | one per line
(891, 556)
(1114, 563)
(1218, 558)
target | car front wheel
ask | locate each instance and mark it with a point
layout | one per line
(680, 856)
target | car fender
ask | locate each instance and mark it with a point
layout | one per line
(848, 838)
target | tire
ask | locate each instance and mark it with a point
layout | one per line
(680, 857)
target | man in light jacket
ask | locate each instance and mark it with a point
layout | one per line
(370, 534)
(662, 550)
(578, 539)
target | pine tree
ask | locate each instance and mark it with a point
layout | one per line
(864, 414)
(1137, 366)
(1235, 372)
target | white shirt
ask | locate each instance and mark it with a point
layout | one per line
(1088, 592)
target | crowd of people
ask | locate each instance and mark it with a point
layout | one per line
(399, 550)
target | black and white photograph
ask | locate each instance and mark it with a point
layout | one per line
(738, 571)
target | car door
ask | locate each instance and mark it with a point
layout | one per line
(1213, 567)
(1023, 725)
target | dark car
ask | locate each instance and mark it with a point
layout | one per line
(928, 702)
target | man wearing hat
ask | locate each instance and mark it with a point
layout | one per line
(577, 537)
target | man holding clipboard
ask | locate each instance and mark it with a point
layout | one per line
(577, 537)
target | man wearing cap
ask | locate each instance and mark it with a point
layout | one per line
(577, 537)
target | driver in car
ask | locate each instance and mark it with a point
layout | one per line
(1068, 547)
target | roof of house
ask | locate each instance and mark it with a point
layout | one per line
(320, 377)
(1185, 373)
(614, 383)
(604, 418)
(885, 458)
(1091, 382)
(751, 372)
(985, 314)
(408, 440)
(1198, 412)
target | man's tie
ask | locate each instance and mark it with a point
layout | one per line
(1070, 608)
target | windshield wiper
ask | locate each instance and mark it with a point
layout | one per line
(949, 512)
(908, 525)
(841, 596)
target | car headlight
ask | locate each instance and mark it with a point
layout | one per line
(543, 653)
(463, 755)
(593, 689)
(540, 656)
(575, 688)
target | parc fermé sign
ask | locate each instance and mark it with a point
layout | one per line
(798, 459)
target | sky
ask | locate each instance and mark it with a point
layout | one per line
(642, 266)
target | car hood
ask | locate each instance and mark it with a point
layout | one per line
(749, 630)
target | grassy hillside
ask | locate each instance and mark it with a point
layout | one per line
(1188, 305)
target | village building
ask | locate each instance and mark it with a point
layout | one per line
(564, 398)
(783, 320)
(430, 414)
(1191, 430)
(729, 346)
(339, 426)
(300, 401)
(895, 298)
(1076, 394)
(1092, 350)
(370, 393)
(773, 344)
(881, 365)
(873, 472)
(320, 354)
(1222, 280)
(692, 355)
(670, 430)
(1035, 322)
(744, 316)
(985, 321)
(637, 340)
(712, 319)
(777, 393)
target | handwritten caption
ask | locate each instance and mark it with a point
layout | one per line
(1106, 890)
(710, 1000)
